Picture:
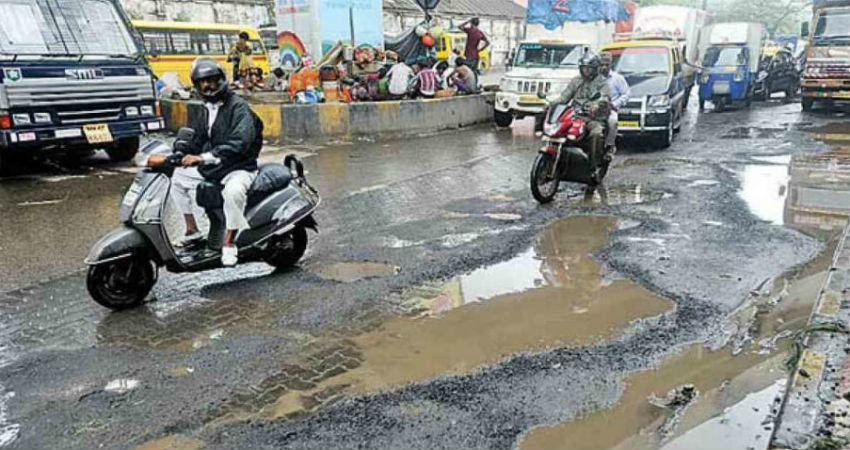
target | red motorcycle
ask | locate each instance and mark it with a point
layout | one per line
(565, 155)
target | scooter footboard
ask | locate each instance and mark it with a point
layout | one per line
(119, 243)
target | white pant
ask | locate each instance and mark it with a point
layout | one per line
(611, 137)
(185, 181)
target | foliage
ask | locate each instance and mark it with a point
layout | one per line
(830, 443)
(800, 338)
(778, 16)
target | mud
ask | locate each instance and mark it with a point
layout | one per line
(555, 294)
(173, 442)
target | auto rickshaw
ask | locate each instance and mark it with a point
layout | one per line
(730, 63)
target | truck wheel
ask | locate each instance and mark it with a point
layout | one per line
(790, 92)
(720, 104)
(807, 104)
(503, 119)
(124, 149)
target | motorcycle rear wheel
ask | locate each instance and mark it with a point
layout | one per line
(285, 251)
(543, 188)
(121, 284)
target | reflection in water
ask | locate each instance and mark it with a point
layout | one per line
(349, 272)
(764, 187)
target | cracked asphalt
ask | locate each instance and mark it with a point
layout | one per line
(413, 232)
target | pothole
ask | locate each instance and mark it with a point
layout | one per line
(349, 272)
(618, 195)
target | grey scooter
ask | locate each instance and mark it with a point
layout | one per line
(123, 265)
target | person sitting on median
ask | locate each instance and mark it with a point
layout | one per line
(399, 75)
(227, 142)
(464, 78)
(424, 83)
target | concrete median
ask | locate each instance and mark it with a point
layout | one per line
(315, 124)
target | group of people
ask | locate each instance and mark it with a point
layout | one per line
(602, 92)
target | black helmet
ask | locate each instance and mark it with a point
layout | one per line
(589, 60)
(204, 68)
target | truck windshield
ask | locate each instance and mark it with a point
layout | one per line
(725, 56)
(63, 27)
(641, 60)
(832, 26)
(541, 55)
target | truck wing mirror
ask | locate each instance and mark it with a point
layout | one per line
(804, 29)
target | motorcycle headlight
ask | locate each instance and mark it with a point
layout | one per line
(551, 128)
(659, 100)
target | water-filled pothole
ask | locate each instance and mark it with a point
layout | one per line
(349, 272)
(630, 194)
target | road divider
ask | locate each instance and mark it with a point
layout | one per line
(320, 123)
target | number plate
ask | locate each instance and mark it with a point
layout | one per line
(842, 94)
(721, 87)
(628, 124)
(530, 99)
(97, 133)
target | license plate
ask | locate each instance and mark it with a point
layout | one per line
(721, 88)
(530, 99)
(628, 124)
(97, 133)
(843, 94)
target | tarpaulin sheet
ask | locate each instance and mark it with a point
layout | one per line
(553, 13)
(407, 44)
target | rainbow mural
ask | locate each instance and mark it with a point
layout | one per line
(291, 49)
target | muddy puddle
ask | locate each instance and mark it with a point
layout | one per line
(554, 294)
(736, 385)
(617, 195)
(173, 442)
(349, 272)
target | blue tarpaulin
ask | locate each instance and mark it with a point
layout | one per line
(553, 13)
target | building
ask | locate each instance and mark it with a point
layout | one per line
(253, 12)
(502, 20)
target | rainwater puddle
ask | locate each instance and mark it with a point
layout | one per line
(618, 195)
(349, 272)
(8, 431)
(553, 294)
(764, 188)
(173, 442)
(729, 385)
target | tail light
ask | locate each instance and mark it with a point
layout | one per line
(5, 122)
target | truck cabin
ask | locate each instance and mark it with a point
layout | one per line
(832, 27)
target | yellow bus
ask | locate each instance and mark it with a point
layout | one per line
(173, 46)
(449, 41)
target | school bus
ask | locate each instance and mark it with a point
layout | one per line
(173, 46)
(449, 41)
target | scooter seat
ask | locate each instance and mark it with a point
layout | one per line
(270, 179)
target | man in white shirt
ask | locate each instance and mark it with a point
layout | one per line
(400, 75)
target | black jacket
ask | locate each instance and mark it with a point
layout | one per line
(236, 138)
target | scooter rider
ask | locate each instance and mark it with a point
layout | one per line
(619, 97)
(590, 88)
(225, 147)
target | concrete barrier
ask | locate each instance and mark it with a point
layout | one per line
(285, 123)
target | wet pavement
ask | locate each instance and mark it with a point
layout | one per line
(440, 306)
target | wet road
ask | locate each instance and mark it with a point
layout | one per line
(440, 306)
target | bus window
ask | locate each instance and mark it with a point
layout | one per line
(181, 43)
(206, 43)
(441, 44)
(156, 42)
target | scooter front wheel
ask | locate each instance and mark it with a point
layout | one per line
(121, 284)
(543, 185)
(285, 251)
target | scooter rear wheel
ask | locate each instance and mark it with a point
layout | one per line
(285, 251)
(543, 186)
(121, 284)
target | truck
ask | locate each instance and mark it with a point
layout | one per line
(545, 63)
(73, 77)
(730, 63)
(826, 71)
(674, 22)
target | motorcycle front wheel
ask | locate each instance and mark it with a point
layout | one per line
(543, 185)
(285, 251)
(121, 284)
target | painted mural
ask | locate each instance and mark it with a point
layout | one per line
(368, 22)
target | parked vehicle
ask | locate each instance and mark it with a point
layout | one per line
(730, 64)
(777, 73)
(653, 69)
(123, 265)
(682, 23)
(457, 40)
(72, 78)
(538, 68)
(174, 46)
(826, 74)
(564, 155)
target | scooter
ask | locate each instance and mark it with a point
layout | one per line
(565, 154)
(123, 265)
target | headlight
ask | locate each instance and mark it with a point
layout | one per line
(739, 75)
(132, 111)
(704, 78)
(22, 119)
(506, 84)
(551, 128)
(42, 117)
(659, 100)
(147, 110)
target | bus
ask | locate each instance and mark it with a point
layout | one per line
(72, 78)
(173, 46)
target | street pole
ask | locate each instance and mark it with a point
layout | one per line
(351, 28)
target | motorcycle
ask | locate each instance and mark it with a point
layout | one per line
(123, 265)
(565, 154)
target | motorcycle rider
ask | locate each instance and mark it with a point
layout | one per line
(590, 89)
(619, 97)
(227, 141)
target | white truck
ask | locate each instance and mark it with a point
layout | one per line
(679, 22)
(545, 62)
